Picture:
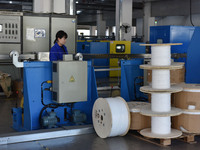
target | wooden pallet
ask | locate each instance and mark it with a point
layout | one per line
(159, 142)
(186, 137)
(189, 138)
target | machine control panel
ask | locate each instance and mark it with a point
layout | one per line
(10, 28)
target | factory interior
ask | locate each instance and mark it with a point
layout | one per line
(125, 74)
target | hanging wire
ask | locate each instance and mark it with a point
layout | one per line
(191, 13)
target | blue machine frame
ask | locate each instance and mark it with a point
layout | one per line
(190, 37)
(34, 74)
(173, 34)
(131, 79)
(96, 48)
(137, 49)
(193, 59)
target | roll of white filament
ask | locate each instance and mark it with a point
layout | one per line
(160, 55)
(161, 79)
(161, 102)
(161, 125)
(111, 117)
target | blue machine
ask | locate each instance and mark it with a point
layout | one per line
(173, 34)
(132, 75)
(190, 37)
(132, 80)
(96, 48)
(34, 74)
(193, 59)
(137, 49)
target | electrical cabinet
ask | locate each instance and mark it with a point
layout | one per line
(69, 81)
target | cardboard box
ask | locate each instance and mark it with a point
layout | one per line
(18, 88)
(5, 83)
(190, 96)
(176, 76)
(138, 121)
(189, 123)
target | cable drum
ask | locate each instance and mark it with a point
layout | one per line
(111, 117)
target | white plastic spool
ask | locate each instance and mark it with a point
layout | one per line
(161, 79)
(161, 125)
(161, 102)
(111, 117)
(161, 55)
(160, 66)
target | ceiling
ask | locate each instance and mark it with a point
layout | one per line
(84, 8)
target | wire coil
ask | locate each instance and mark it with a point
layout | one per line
(111, 117)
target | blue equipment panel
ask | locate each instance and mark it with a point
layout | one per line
(173, 34)
(193, 59)
(34, 74)
(187, 35)
(131, 79)
(83, 47)
(137, 49)
(96, 48)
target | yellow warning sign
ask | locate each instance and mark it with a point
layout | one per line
(71, 79)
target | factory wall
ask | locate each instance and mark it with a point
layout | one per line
(179, 20)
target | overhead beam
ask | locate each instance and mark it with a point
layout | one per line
(103, 6)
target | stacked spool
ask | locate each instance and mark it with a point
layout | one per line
(160, 90)
(188, 101)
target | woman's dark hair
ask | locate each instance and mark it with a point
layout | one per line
(60, 34)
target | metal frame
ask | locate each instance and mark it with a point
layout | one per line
(45, 134)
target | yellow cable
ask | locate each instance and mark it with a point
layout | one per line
(49, 81)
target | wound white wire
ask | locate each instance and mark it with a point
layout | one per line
(161, 125)
(160, 55)
(111, 117)
(120, 116)
(161, 79)
(161, 102)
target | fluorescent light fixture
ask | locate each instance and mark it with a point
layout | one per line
(78, 11)
(10, 2)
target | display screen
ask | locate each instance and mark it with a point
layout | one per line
(120, 48)
(1, 28)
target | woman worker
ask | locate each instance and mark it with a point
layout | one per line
(59, 48)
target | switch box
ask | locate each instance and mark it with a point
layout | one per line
(69, 81)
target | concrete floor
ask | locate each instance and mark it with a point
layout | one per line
(6, 105)
(93, 142)
(86, 142)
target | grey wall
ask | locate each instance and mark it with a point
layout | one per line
(139, 26)
(174, 7)
(179, 20)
